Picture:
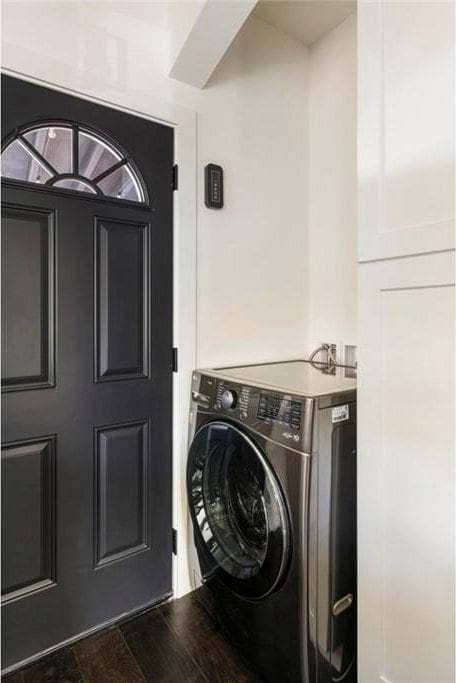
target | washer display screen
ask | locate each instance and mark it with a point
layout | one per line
(277, 409)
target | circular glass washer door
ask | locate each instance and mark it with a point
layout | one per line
(238, 510)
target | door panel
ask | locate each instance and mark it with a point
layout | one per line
(122, 496)
(28, 317)
(121, 296)
(406, 139)
(28, 520)
(406, 467)
(87, 510)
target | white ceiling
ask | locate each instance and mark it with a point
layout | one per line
(304, 20)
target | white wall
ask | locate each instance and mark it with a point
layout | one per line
(252, 256)
(332, 244)
(116, 51)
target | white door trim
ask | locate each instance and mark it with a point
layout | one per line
(184, 291)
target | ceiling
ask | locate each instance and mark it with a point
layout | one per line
(304, 20)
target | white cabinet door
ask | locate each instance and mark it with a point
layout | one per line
(406, 470)
(406, 96)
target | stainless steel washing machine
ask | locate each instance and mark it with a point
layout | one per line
(271, 483)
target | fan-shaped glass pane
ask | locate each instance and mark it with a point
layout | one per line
(55, 145)
(44, 154)
(74, 184)
(122, 184)
(18, 163)
(95, 156)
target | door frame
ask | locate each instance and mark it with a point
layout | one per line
(184, 122)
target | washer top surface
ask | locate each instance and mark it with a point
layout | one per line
(297, 377)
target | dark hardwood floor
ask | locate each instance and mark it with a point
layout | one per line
(177, 641)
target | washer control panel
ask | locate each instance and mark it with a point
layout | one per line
(273, 408)
(231, 398)
(283, 418)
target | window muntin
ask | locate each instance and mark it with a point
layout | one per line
(75, 184)
(54, 144)
(71, 157)
(19, 163)
(95, 156)
(120, 183)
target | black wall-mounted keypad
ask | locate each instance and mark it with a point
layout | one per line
(213, 186)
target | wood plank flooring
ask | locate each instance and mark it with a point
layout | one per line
(175, 642)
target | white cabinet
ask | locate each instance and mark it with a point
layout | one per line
(406, 470)
(406, 95)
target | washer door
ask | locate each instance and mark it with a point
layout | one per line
(238, 510)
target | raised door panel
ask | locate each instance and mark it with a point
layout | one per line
(29, 517)
(406, 144)
(406, 470)
(27, 298)
(122, 490)
(121, 300)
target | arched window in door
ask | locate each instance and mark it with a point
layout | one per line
(69, 156)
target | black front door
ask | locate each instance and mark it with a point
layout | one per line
(86, 366)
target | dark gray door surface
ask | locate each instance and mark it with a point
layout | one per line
(86, 365)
